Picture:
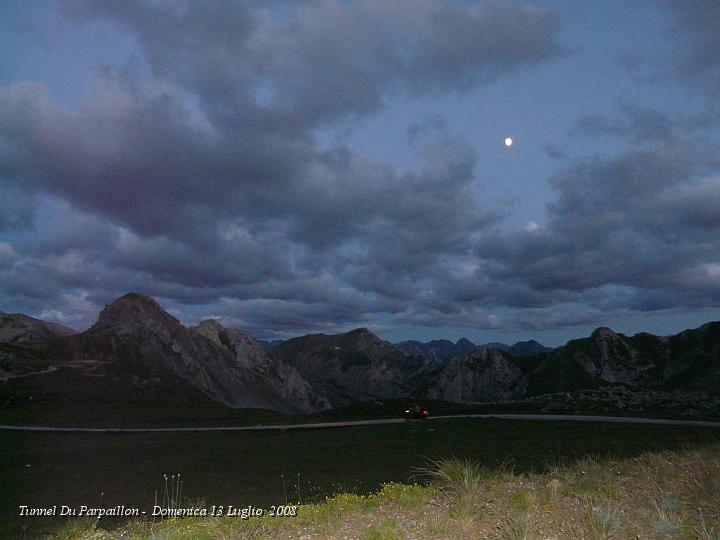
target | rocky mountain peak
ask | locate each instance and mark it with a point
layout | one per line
(365, 341)
(210, 324)
(604, 333)
(211, 329)
(134, 310)
(464, 342)
(361, 335)
(357, 332)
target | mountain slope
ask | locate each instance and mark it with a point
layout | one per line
(689, 360)
(248, 354)
(355, 366)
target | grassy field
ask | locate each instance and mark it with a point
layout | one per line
(265, 468)
(656, 495)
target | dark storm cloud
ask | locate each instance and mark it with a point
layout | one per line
(203, 181)
(315, 61)
(195, 175)
(17, 208)
(137, 153)
(695, 25)
(639, 124)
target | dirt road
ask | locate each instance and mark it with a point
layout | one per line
(327, 425)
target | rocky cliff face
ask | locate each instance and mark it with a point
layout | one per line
(484, 375)
(249, 355)
(613, 358)
(355, 366)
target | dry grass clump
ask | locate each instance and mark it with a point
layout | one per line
(602, 523)
(519, 526)
(461, 485)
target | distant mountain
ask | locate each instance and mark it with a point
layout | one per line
(136, 350)
(438, 349)
(528, 348)
(687, 361)
(442, 349)
(355, 366)
(495, 345)
(269, 344)
(16, 329)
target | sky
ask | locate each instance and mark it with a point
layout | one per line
(307, 167)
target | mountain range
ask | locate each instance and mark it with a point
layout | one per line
(442, 349)
(138, 352)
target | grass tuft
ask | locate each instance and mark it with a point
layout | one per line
(520, 526)
(602, 523)
(460, 483)
(592, 478)
(523, 500)
(705, 530)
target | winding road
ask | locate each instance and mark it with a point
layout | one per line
(327, 425)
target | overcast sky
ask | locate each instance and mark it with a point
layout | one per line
(318, 166)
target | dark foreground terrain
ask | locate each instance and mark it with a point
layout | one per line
(260, 469)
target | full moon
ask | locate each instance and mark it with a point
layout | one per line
(508, 141)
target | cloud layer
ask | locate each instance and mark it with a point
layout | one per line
(195, 173)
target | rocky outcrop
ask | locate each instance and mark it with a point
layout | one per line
(613, 358)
